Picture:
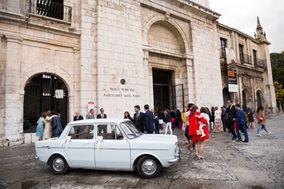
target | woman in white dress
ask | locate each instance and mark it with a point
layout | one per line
(218, 121)
(47, 133)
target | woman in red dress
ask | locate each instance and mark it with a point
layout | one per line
(194, 120)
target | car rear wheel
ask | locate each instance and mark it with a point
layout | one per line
(148, 167)
(58, 165)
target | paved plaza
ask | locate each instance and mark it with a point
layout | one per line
(257, 165)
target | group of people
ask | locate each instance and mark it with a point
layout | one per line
(49, 125)
(237, 121)
(196, 123)
(149, 121)
(91, 115)
(152, 121)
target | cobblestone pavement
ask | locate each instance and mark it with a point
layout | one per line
(257, 165)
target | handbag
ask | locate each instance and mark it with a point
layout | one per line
(260, 118)
(235, 124)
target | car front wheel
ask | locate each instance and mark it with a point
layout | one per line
(148, 167)
(58, 165)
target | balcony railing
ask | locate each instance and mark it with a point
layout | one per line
(51, 9)
(261, 64)
(245, 59)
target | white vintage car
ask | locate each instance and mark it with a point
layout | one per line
(108, 144)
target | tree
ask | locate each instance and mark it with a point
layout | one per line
(279, 94)
(277, 63)
(279, 91)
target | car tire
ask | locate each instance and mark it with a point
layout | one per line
(148, 167)
(58, 165)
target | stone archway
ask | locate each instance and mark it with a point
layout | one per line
(167, 50)
(43, 92)
(245, 99)
(259, 98)
(164, 37)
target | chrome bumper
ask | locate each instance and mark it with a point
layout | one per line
(177, 156)
(174, 160)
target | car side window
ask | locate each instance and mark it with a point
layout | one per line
(82, 132)
(109, 132)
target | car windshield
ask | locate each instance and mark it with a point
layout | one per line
(130, 130)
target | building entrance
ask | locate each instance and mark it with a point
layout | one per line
(165, 90)
(44, 92)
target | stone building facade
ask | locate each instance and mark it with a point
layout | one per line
(71, 55)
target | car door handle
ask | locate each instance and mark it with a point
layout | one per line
(87, 142)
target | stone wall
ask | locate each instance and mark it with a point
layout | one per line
(206, 64)
(30, 47)
(120, 56)
(87, 72)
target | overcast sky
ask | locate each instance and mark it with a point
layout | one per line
(241, 14)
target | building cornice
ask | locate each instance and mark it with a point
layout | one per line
(18, 19)
(201, 8)
(195, 9)
(223, 26)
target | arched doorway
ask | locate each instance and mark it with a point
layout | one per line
(245, 99)
(259, 98)
(167, 65)
(226, 96)
(44, 92)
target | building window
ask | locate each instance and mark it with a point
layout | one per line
(51, 8)
(241, 51)
(82, 132)
(223, 47)
(254, 52)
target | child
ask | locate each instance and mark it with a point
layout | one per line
(204, 115)
(261, 121)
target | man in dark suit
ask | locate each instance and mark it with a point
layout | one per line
(78, 117)
(231, 111)
(149, 120)
(56, 125)
(102, 115)
(139, 119)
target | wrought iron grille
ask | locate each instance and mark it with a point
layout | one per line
(52, 9)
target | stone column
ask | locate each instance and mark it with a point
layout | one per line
(191, 83)
(88, 59)
(13, 99)
(254, 98)
(240, 100)
(148, 78)
(268, 82)
(3, 56)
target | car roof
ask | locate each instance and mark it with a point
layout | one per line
(93, 121)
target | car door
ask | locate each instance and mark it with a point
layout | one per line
(113, 152)
(80, 147)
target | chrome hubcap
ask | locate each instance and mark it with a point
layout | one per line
(58, 164)
(149, 167)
